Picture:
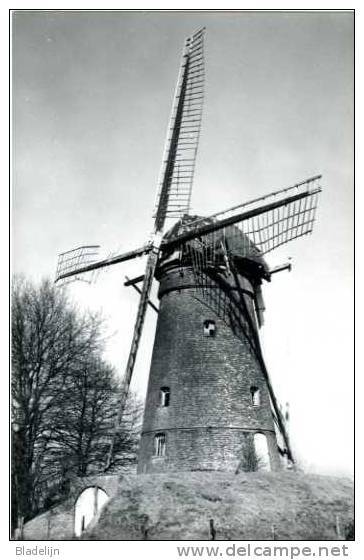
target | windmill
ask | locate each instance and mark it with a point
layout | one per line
(209, 391)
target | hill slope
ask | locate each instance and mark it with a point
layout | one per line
(247, 506)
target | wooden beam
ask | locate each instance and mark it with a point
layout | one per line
(198, 231)
(133, 284)
(280, 267)
(132, 281)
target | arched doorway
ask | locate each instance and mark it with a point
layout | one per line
(88, 504)
(262, 452)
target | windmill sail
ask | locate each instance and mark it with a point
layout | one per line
(255, 232)
(74, 264)
(175, 184)
(178, 165)
(74, 260)
(183, 134)
(267, 222)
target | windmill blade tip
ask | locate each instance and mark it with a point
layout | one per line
(199, 30)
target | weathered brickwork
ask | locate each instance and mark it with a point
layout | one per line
(210, 412)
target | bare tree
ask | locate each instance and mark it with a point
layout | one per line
(83, 429)
(64, 397)
(126, 442)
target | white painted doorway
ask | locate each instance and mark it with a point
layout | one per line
(262, 452)
(88, 504)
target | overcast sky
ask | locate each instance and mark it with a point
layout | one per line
(92, 94)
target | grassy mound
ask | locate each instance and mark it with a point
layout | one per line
(224, 506)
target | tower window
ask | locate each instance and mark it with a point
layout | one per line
(164, 396)
(255, 396)
(160, 445)
(209, 328)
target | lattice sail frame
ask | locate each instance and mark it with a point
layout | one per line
(73, 260)
(179, 159)
(279, 225)
(268, 221)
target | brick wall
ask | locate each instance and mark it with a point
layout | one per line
(210, 410)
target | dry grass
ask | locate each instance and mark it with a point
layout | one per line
(179, 506)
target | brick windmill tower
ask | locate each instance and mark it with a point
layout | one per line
(209, 399)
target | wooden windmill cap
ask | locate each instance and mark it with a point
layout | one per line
(237, 244)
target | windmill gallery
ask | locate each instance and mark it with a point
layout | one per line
(210, 404)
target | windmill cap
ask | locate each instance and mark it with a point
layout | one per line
(237, 243)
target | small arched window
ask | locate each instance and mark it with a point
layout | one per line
(255, 396)
(209, 328)
(159, 445)
(164, 396)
